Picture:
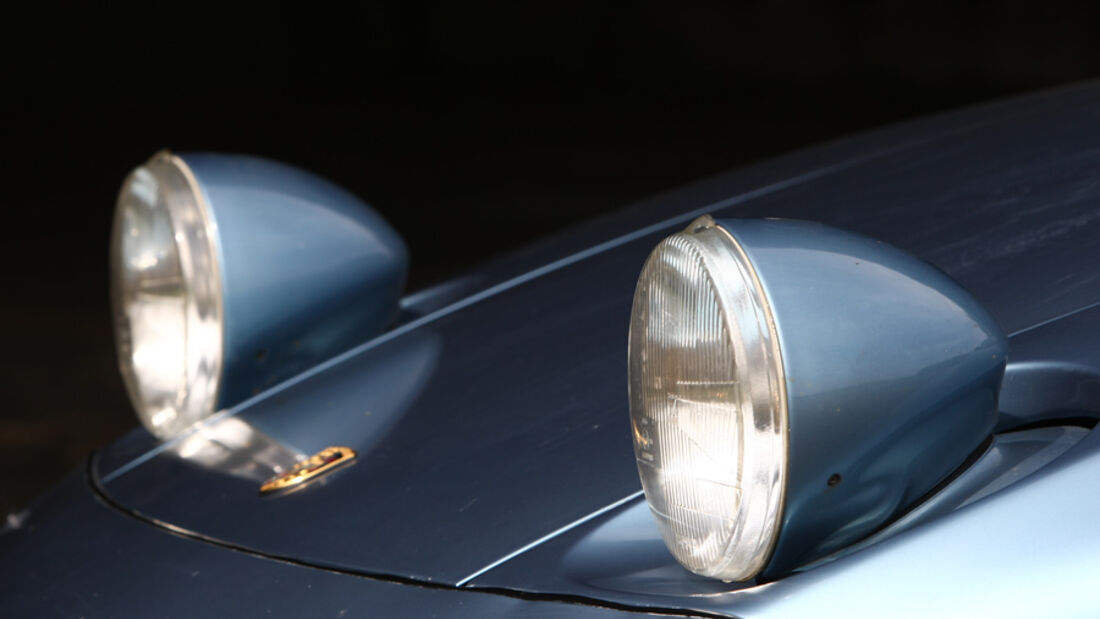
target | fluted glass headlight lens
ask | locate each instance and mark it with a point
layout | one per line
(166, 297)
(708, 404)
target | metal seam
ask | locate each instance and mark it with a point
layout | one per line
(549, 536)
(1048, 321)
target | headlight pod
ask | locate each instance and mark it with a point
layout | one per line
(794, 387)
(233, 273)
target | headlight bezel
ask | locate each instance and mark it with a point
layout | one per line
(179, 198)
(758, 373)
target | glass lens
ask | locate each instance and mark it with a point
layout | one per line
(167, 328)
(707, 404)
(153, 327)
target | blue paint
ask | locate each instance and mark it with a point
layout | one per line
(892, 373)
(307, 269)
(52, 568)
(508, 385)
(621, 555)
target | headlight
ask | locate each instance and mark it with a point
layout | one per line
(231, 274)
(794, 388)
(707, 402)
(166, 296)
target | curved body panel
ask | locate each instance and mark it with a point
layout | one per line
(130, 569)
(892, 372)
(307, 269)
(494, 426)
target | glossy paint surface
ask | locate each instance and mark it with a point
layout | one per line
(892, 372)
(517, 433)
(308, 270)
(52, 568)
(1026, 551)
(472, 433)
(941, 569)
(620, 555)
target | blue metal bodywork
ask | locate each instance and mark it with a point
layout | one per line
(892, 372)
(493, 430)
(129, 569)
(307, 269)
(998, 539)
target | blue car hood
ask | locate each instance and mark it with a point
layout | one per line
(500, 418)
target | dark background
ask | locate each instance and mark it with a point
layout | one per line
(472, 128)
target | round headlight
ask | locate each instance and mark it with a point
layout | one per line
(707, 401)
(166, 296)
(794, 388)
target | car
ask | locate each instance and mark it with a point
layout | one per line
(858, 380)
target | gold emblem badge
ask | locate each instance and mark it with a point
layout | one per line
(318, 464)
